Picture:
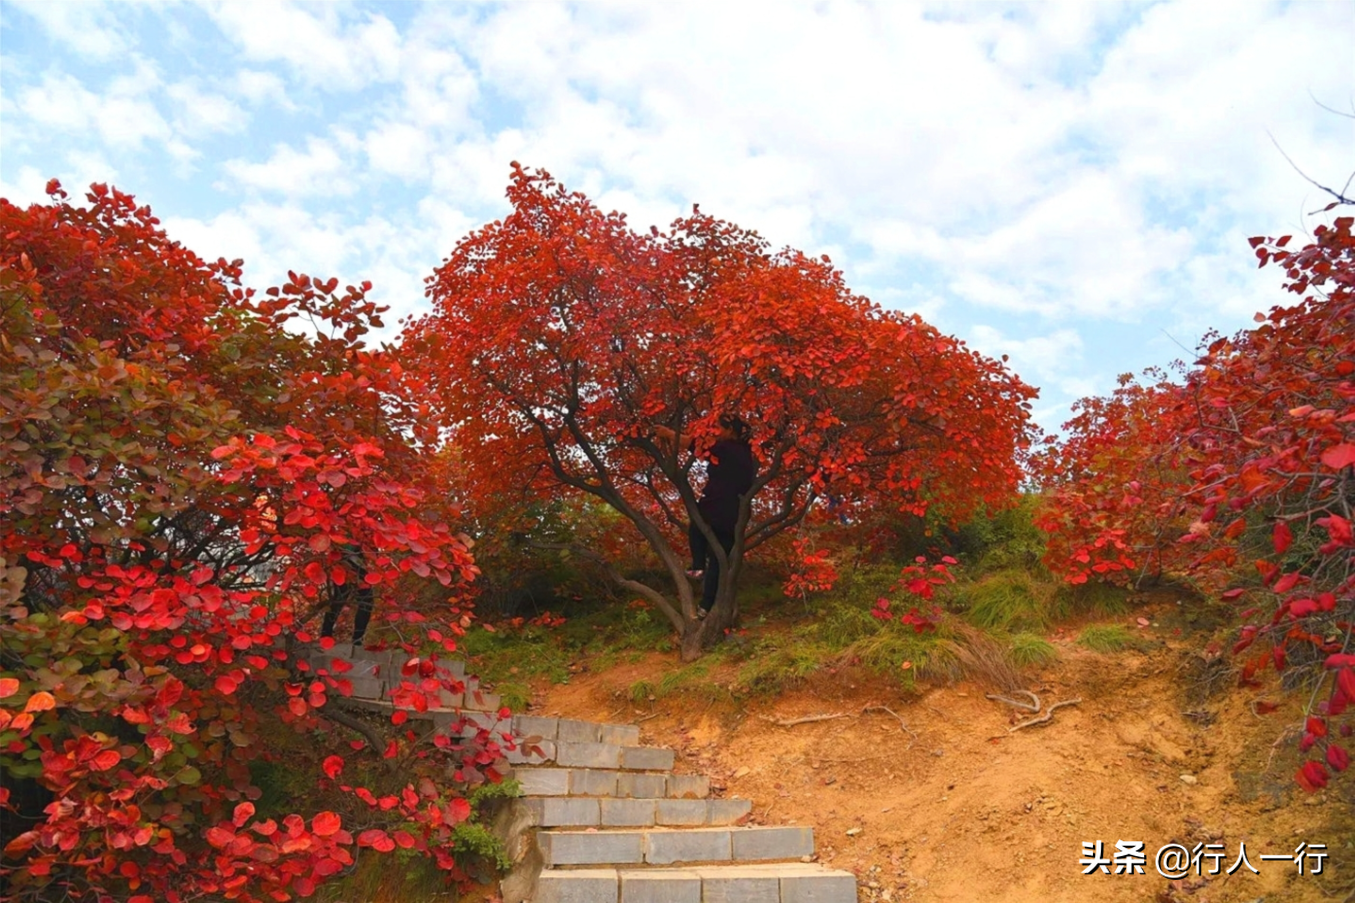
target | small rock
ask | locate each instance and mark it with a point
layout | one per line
(938, 752)
(743, 771)
(1189, 779)
(852, 832)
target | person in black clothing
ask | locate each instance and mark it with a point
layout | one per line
(355, 589)
(730, 472)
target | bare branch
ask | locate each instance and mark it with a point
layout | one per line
(1340, 197)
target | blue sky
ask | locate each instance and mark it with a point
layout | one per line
(1068, 184)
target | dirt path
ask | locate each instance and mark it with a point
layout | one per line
(966, 812)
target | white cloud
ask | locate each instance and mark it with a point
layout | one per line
(398, 148)
(318, 169)
(124, 116)
(88, 27)
(258, 87)
(314, 41)
(204, 112)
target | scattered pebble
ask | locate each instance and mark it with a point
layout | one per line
(1189, 779)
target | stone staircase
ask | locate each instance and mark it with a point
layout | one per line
(603, 818)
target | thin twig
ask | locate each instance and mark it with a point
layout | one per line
(1043, 719)
(1032, 706)
(906, 728)
(809, 719)
(1340, 198)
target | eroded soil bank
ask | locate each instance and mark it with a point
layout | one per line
(956, 809)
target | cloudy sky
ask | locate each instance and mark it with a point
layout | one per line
(1072, 185)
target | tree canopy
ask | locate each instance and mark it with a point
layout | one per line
(561, 338)
(178, 476)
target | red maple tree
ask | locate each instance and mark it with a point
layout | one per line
(178, 475)
(1242, 476)
(561, 340)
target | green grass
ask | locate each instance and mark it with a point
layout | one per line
(1100, 599)
(1107, 638)
(690, 679)
(1012, 600)
(1029, 650)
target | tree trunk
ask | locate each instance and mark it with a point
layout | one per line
(698, 636)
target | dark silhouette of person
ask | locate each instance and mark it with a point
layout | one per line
(355, 591)
(730, 472)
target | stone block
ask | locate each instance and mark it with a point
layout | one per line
(563, 811)
(543, 781)
(587, 755)
(683, 812)
(751, 844)
(355, 668)
(727, 812)
(660, 886)
(688, 786)
(593, 782)
(536, 754)
(535, 726)
(733, 884)
(823, 887)
(693, 845)
(623, 813)
(483, 701)
(620, 734)
(646, 758)
(574, 731)
(368, 688)
(449, 700)
(591, 847)
(650, 786)
(456, 668)
(577, 886)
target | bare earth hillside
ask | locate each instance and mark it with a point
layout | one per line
(962, 811)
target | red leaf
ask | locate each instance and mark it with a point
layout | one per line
(399, 717)
(1337, 757)
(1287, 582)
(326, 824)
(376, 839)
(105, 760)
(40, 701)
(1339, 456)
(1283, 538)
(457, 811)
(219, 837)
(8, 687)
(1312, 776)
(333, 766)
(243, 813)
(1345, 682)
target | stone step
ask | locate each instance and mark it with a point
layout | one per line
(572, 730)
(669, 846)
(595, 756)
(783, 883)
(549, 781)
(615, 812)
(387, 662)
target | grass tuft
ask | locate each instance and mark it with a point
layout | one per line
(1107, 638)
(1030, 650)
(1013, 600)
